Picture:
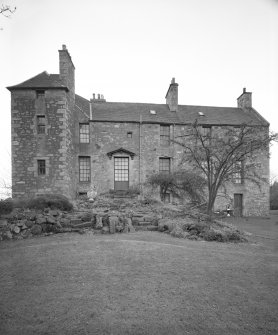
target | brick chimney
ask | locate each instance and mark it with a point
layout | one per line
(245, 99)
(172, 96)
(67, 69)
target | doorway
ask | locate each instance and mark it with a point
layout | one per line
(121, 173)
(238, 204)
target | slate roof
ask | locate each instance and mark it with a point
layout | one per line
(43, 80)
(130, 112)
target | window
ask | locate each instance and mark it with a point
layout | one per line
(165, 135)
(84, 169)
(206, 131)
(164, 165)
(41, 167)
(41, 124)
(129, 134)
(121, 168)
(40, 93)
(84, 135)
(238, 172)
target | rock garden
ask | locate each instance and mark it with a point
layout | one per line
(47, 215)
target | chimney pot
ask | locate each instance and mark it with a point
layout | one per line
(94, 96)
(98, 96)
(244, 90)
(173, 81)
(64, 47)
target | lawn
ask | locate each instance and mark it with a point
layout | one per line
(141, 283)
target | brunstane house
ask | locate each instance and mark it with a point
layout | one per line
(64, 143)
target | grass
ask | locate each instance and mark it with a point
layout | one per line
(142, 283)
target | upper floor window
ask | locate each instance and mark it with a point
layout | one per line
(164, 165)
(129, 134)
(164, 135)
(84, 169)
(41, 167)
(40, 93)
(238, 172)
(206, 131)
(41, 124)
(84, 133)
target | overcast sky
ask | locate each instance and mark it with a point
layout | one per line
(129, 50)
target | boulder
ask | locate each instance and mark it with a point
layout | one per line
(20, 223)
(99, 224)
(16, 230)
(64, 222)
(128, 226)
(113, 222)
(105, 230)
(36, 229)
(41, 219)
(54, 212)
(26, 233)
(7, 235)
(51, 220)
(3, 223)
(29, 223)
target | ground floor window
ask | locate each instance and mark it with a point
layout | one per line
(84, 169)
(164, 165)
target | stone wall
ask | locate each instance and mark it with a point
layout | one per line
(28, 145)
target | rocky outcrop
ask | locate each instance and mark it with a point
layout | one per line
(24, 223)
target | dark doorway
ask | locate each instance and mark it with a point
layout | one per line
(238, 204)
(121, 173)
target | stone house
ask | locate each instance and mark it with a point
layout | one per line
(63, 143)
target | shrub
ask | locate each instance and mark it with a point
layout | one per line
(181, 184)
(53, 201)
(215, 235)
(6, 206)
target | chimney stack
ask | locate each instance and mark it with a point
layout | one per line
(172, 96)
(67, 69)
(99, 98)
(245, 99)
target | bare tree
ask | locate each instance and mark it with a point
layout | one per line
(225, 154)
(5, 189)
(7, 10)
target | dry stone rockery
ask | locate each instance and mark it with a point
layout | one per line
(24, 223)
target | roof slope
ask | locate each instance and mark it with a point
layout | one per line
(131, 112)
(42, 80)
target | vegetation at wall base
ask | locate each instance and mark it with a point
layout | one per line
(53, 201)
(6, 206)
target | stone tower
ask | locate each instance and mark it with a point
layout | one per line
(42, 117)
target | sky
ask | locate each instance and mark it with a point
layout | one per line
(128, 50)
